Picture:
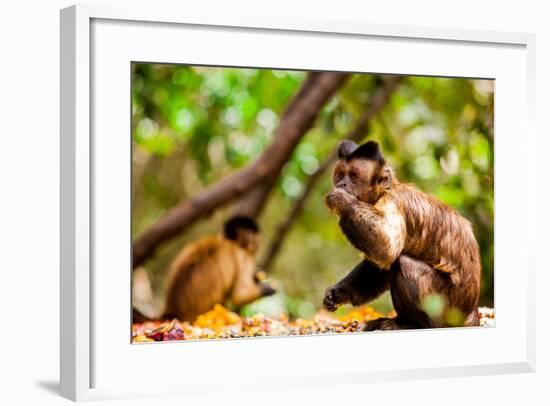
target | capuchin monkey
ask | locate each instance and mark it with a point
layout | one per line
(214, 269)
(414, 245)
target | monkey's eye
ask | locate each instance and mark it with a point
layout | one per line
(353, 176)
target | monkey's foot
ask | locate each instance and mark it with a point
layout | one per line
(384, 323)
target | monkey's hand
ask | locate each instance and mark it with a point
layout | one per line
(334, 296)
(338, 199)
(267, 290)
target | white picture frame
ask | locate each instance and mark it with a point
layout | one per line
(85, 31)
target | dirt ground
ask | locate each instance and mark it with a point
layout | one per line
(222, 323)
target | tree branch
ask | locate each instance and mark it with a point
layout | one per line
(357, 134)
(252, 202)
(296, 120)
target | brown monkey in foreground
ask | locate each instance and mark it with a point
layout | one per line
(215, 269)
(414, 245)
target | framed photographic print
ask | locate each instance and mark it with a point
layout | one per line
(231, 195)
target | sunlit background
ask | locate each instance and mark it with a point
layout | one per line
(192, 126)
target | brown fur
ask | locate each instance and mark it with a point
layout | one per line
(428, 247)
(213, 270)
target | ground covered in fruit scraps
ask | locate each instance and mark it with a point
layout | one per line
(222, 323)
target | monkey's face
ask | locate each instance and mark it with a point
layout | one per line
(361, 172)
(249, 240)
(363, 178)
(243, 231)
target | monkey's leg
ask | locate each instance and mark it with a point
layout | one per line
(411, 281)
(364, 283)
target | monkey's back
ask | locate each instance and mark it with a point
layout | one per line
(200, 276)
(441, 237)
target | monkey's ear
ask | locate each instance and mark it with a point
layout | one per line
(346, 148)
(370, 151)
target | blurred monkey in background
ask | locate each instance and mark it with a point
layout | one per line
(215, 269)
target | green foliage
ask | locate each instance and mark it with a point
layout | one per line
(192, 126)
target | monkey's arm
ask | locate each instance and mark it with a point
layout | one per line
(364, 283)
(379, 232)
(246, 289)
